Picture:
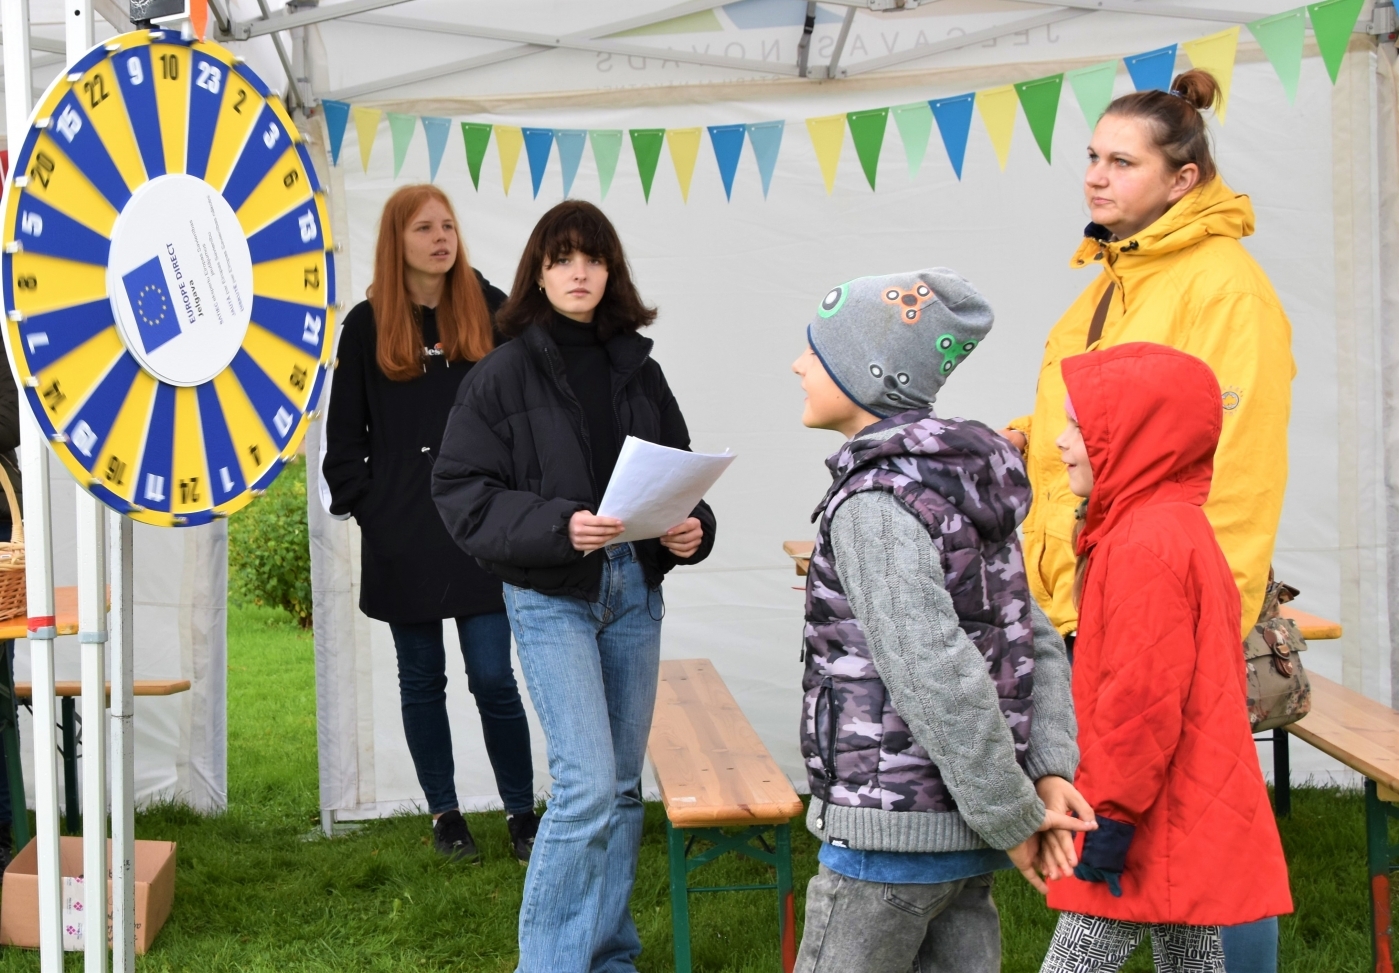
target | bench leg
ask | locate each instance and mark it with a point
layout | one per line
(71, 813)
(1282, 773)
(786, 908)
(1378, 852)
(679, 898)
(9, 739)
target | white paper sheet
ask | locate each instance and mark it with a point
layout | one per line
(653, 488)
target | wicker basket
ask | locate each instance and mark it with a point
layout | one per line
(12, 590)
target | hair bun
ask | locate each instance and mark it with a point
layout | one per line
(1197, 88)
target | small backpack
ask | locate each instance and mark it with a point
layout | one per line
(1279, 692)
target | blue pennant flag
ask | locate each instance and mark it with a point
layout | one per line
(766, 139)
(571, 142)
(954, 118)
(727, 141)
(337, 113)
(436, 130)
(1152, 69)
(538, 143)
(151, 304)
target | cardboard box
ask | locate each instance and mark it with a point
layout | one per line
(155, 890)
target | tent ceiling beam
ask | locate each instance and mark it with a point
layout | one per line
(1145, 8)
(804, 45)
(436, 71)
(245, 29)
(222, 20)
(113, 13)
(841, 38)
(293, 92)
(1058, 15)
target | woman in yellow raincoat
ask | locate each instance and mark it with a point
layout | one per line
(1165, 236)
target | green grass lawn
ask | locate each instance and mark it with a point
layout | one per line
(252, 894)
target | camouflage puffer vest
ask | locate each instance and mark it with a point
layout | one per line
(968, 487)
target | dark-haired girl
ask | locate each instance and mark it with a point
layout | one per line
(526, 458)
(1165, 237)
(401, 357)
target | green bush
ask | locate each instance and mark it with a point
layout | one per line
(269, 549)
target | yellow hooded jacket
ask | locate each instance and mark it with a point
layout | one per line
(1185, 281)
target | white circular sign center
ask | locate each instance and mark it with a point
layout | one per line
(180, 278)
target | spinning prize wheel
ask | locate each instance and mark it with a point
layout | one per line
(167, 278)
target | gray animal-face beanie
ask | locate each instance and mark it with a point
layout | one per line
(890, 342)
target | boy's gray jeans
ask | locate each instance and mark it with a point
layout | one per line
(951, 927)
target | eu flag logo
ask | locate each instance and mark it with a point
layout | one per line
(150, 302)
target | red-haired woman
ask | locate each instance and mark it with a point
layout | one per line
(401, 357)
(525, 461)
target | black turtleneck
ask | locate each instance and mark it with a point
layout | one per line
(589, 370)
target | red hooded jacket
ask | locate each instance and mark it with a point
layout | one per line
(1158, 680)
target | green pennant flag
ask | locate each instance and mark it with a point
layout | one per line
(477, 136)
(1281, 38)
(1332, 23)
(607, 148)
(1093, 89)
(401, 128)
(646, 144)
(867, 132)
(915, 124)
(1040, 100)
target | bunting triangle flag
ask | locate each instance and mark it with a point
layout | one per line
(867, 132)
(1215, 54)
(1093, 89)
(1040, 100)
(915, 125)
(508, 141)
(954, 118)
(198, 17)
(1332, 24)
(337, 114)
(1282, 37)
(570, 141)
(684, 150)
(997, 108)
(727, 142)
(401, 128)
(539, 142)
(436, 130)
(827, 138)
(646, 146)
(607, 149)
(367, 128)
(476, 135)
(766, 139)
(1152, 69)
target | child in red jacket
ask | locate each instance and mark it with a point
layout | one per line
(1186, 840)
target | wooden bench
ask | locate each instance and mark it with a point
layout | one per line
(715, 773)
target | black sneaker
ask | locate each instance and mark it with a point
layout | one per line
(452, 837)
(523, 828)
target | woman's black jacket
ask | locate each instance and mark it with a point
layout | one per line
(381, 439)
(515, 463)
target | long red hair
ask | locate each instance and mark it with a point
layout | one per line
(463, 320)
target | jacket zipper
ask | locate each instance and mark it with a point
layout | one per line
(828, 759)
(582, 422)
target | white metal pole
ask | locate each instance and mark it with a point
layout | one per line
(92, 637)
(77, 28)
(123, 748)
(19, 101)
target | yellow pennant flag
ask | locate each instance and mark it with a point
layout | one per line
(366, 127)
(1215, 54)
(827, 137)
(684, 149)
(997, 107)
(508, 142)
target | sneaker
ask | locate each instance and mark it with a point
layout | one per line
(523, 828)
(452, 838)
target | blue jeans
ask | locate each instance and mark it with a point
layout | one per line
(1251, 948)
(591, 668)
(422, 691)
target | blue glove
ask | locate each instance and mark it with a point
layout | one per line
(1104, 856)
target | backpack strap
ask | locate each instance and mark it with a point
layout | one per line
(1095, 330)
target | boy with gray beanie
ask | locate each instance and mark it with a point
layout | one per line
(937, 723)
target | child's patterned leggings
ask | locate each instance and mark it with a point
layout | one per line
(1088, 944)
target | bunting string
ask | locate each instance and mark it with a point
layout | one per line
(1280, 36)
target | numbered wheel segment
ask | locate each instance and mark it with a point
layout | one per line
(167, 278)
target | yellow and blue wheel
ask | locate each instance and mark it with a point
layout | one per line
(167, 275)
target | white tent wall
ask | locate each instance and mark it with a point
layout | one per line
(736, 281)
(180, 584)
